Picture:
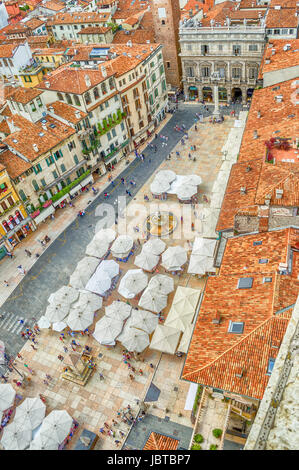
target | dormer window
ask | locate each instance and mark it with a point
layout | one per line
(271, 363)
(33, 107)
(245, 283)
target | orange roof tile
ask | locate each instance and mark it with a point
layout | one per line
(281, 59)
(283, 18)
(72, 80)
(14, 165)
(238, 362)
(78, 18)
(24, 95)
(138, 36)
(66, 111)
(158, 441)
(7, 50)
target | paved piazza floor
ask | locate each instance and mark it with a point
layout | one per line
(99, 401)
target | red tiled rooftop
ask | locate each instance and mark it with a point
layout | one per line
(158, 441)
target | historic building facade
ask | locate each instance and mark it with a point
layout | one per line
(233, 51)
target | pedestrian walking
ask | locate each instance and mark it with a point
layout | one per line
(6, 283)
(48, 377)
(33, 347)
(10, 255)
(4, 378)
(21, 270)
(28, 253)
(60, 357)
(114, 422)
(23, 335)
(46, 382)
(106, 425)
(101, 376)
(140, 372)
(102, 431)
(117, 442)
(151, 365)
(65, 349)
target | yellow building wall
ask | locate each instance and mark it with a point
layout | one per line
(35, 80)
(4, 178)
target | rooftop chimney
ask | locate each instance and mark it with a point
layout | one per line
(104, 71)
(51, 109)
(35, 147)
(259, 114)
(47, 84)
(77, 114)
(255, 134)
(87, 80)
(44, 126)
(278, 98)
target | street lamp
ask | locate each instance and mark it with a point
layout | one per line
(215, 78)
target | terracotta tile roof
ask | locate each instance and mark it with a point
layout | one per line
(192, 4)
(139, 36)
(251, 4)
(4, 127)
(275, 116)
(44, 39)
(281, 59)
(125, 8)
(66, 111)
(147, 21)
(79, 17)
(283, 18)
(218, 13)
(234, 200)
(22, 141)
(7, 50)
(54, 6)
(14, 165)
(34, 23)
(72, 80)
(95, 30)
(24, 95)
(158, 441)
(275, 177)
(132, 20)
(238, 362)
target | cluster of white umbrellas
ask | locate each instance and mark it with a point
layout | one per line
(150, 254)
(53, 431)
(107, 329)
(162, 181)
(155, 246)
(99, 245)
(60, 303)
(122, 246)
(154, 298)
(133, 282)
(174, 258)
(202, 256)
(83, 272)
(165, 339)
(101, 280)
(183, 308)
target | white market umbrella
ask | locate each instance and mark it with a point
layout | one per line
(162, 284)
(159, 187)
(107, 234)
(79, 320)
(186, 338)
(30, 413)
(56, 313)
(135, 340)
(99, 283)
(16, 436)
(56, 426)
(204, 246)
(118, 310)
(156, 246)
(153, 301)
(89, 301)
(165, 175)
(143, 320)
(110, 266)
(193, 180)
(174, 257)
(133, 282)
(179, 319)
(216, 200)
(165, 339)
(42, 442)
(146, 260)
(83, 272)
(107, 329)
(185, 300)
(97, 247)
(64, 295)
(7, 396)
(209, 217)
(122, 246)
(186, 191)
(43, 322)
(200, 264)
(59, 326)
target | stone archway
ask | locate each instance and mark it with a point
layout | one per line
(207, 94)
(237, 95)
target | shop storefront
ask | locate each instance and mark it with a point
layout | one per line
(17, 228)
(193, 93)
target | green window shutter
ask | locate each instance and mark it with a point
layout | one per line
(43, 182)
(63, 169)
(35, 170)
(76, 159)
(39, 167)
(48, 161)
(60, 153)
(55, 174)
(151, 99)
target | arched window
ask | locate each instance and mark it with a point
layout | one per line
(5, 226)
(35, 185)
(68, 99)
(96, 93)
(60, 96)
(87, 98)
(111, 83)
(22, 195)
(77, 101)
(12, 221)
(104, 89)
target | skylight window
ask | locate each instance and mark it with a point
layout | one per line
(257, 243)
(270, 366)
(245, 283)
(236, 327)
(263, 261)
(267, 279)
